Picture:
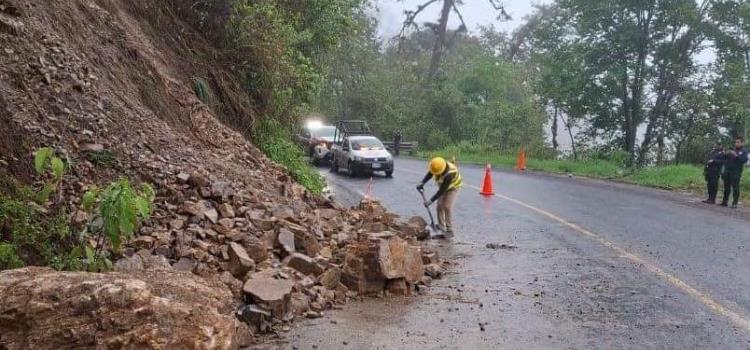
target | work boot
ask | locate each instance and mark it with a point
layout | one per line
(724, 204)
(448, 232)
(708, 201)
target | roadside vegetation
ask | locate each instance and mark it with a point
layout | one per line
(680, 177)
(36, 229)
(276, 142)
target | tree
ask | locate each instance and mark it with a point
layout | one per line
(441, 27)
(730, 30)
(629, 62)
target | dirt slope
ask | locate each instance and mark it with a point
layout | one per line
(108, 83)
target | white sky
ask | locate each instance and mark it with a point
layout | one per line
(475, 12)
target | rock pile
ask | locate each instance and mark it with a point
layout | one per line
(105, 92)
(285, 259)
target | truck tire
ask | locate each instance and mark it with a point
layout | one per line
(352, 172)
(334, 165)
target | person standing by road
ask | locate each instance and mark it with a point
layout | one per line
(735, 163)
(712, 171)
(448, 178)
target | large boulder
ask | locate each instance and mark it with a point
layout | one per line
(384, 256)
(45, 309)
(270, 293)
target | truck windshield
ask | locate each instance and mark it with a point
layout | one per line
(373, 144)
(324, 132)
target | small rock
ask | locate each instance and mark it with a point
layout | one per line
(330, 279)
(177, 224)
(253, 315)
(303, 263)
(326, 253)
(142, 242)
(285, 241)
(434, 271)
(226, 210)
(80, 217)
(239, 262)
(183, 177)
(92, 147)
(212, 215)
(184, 264)
(198, 180)
(256, 250)
(313, 314)
(500, 246)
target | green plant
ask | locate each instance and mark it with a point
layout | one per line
(120, 208)
(47, 163)
(36, 236)
(276, 142)
(202, 91)
(8, 257)
(103, 158)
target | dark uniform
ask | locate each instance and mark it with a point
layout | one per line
(712, 173)
(733, 166)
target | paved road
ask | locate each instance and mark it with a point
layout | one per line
(597, 265)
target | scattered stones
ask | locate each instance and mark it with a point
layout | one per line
(500, 246)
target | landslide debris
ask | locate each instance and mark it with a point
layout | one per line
(232, 236)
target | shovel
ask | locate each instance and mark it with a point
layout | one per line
(434, 229)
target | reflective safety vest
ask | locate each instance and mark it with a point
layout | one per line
(456, 183)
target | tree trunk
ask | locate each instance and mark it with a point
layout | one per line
(569, 126)
(554, 130)
(437, 50)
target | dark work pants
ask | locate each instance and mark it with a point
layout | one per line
(712, 181)
(732, 184)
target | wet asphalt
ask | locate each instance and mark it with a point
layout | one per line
(595, 265)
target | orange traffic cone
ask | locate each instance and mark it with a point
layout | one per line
(487, 186)
(521, 162)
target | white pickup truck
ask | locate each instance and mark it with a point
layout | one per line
(357, 151)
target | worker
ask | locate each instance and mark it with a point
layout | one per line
(712, 171)
(735, 163)
(447, 177)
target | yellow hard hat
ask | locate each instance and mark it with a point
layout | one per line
(437, 165)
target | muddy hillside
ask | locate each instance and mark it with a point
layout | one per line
(234, 247)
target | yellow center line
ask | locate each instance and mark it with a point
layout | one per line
(738, 319)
